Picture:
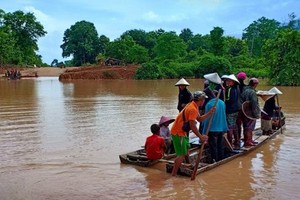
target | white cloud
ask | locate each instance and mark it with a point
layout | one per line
(50, 24)
(154, 17)
(151, 16)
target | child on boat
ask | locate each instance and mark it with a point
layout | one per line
(165, 133)
(155, 144)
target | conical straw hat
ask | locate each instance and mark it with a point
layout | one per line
(182, 82)
(165, 119)
(231, 77)
(213, 77)
(275, 90)
(265, 95)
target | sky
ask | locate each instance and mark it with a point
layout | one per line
(114, 17)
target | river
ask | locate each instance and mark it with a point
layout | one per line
(61, 140)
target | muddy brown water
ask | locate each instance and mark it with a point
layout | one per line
(62, 141)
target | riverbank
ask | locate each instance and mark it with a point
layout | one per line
(40, 71)
(71, 73)
(100, 72)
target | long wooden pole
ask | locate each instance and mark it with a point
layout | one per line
(279, 114)
(193, 176)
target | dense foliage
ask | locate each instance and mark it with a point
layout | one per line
(82, 42)
(19, 33)
(267, 49)
(282, 54)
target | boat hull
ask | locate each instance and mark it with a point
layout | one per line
(204, 164)
(139, 157)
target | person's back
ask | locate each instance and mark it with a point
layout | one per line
(219, 123)
(249, 94)
(270, 106)
(216, 130)
(155, 144)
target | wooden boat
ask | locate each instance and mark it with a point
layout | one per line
(29, 76)
(139, 157)
(21, 77)
(206, 164)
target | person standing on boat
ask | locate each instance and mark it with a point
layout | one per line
(212, 82)
(217, 129)
(179, 136)
(164, 123)
(155, 144)
(184, 96)
(249, 94)
(267, 114)
(241, 76)
(232, 108)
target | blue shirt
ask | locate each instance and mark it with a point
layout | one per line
(219, 123)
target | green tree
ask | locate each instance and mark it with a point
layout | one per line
(195, 43)
(24, 30)
(186, 34)
(210, 63)
(7, 44)
(234, 46)
(293, 22)
(281, 55)
(103, 42)
(170, 46)
(54, 63)
(217, 41)
(120, 48)
(140, 37)
(138, 54)
(148, 71)
(258, 32)
(81, 41)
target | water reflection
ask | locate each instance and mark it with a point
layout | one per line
(19, 133)
(265, 170)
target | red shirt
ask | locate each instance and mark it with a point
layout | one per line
(154, 147)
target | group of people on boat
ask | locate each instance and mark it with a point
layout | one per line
(13, 74)
(223, 109)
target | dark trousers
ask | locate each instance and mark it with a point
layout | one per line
(216, 145)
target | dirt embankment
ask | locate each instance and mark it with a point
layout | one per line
(100, 72)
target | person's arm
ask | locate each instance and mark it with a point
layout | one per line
(200, 118)
(194, 128)
(145, 144)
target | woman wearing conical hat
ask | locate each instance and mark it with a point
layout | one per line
(232, 108)
(184, 96)
(268, 109)
(164, 123)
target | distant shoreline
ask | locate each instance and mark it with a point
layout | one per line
(43, 71)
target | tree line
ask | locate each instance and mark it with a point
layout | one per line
(267, 48)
